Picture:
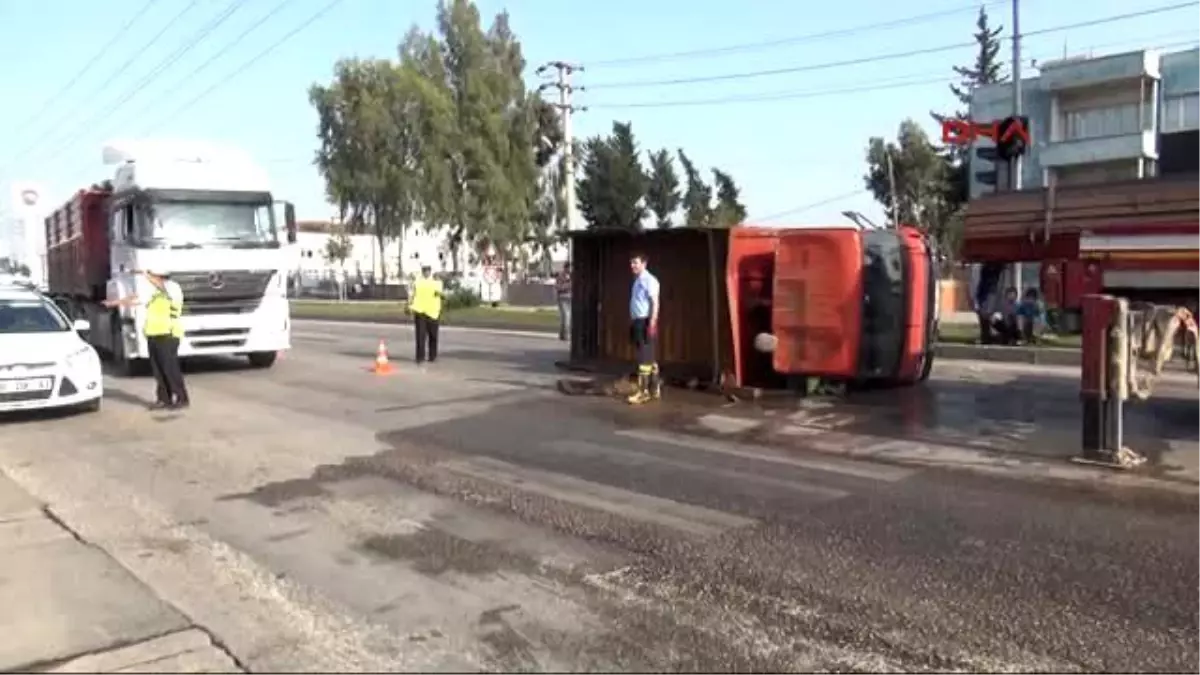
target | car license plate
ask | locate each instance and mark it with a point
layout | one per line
(22, 386)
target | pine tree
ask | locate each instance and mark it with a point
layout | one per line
(988, 68)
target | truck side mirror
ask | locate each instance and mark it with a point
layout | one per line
(289, 220)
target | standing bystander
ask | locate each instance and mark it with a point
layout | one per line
(562, 288)
(643, 312)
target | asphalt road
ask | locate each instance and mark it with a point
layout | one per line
(468, 516)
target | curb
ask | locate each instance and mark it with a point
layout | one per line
(1038, 356)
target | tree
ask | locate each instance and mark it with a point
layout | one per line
(729, 210)
(372, 122)
(338, 248)
(611, 189)
(697, 197)
(909, 177)
(487, 187)
(987, 69)
(662, 188)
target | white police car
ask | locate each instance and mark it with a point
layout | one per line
(44, 363)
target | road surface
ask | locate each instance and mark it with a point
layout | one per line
(467, 516)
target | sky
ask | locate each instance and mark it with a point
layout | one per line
(794, 140)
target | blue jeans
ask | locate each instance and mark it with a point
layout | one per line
(564, 318)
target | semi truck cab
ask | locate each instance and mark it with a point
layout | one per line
(209, 218)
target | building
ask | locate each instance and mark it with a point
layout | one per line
(401, 260)
(25, 232)
(1118, 117)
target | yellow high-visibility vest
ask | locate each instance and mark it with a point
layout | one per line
(427, 298)
(162, 315)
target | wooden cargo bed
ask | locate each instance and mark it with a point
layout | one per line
(1047, 223)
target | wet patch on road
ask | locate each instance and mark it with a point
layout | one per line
(433, 552)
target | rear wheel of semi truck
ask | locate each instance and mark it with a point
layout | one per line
(262, 359)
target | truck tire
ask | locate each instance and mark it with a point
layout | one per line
(926, 365)
(262, 359)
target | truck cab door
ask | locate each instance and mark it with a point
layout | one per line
(817, 311)
(285, 215)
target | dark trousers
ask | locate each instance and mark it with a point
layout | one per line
(427, 337)
(164, 363)
(643, 342)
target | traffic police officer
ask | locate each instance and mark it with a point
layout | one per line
(426, 308)
(643, 312)
(163, 330)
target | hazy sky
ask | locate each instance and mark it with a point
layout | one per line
(792, 139)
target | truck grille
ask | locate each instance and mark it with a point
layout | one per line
(222, 292)
(200, 307)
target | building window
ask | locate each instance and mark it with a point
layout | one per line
(1117, 120)
(1181, 113)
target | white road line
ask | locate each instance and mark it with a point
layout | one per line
(817, 492)
(889, 474)
(696, 520)
(408, 327)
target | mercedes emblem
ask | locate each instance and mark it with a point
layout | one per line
(216, 281)
(30, 197)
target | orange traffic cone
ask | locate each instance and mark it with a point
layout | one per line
(382, 365)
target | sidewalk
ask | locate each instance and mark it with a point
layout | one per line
(66, 606)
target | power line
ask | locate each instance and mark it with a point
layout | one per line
(903, 82)
(250, 63)
(783, 42)
(87, 67)
(138, 87)
(223, 50)
(807, 207)
(879, 57)
(118, 72)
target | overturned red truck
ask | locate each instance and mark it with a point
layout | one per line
(765, 307)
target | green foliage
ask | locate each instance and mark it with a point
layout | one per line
(909, 177)
(611, 190)
(728, 210)
(662, 188)
(338, 248)
(697, 195)
(448, 135)
(460, 297)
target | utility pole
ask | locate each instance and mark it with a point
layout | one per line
(1016, 163)
(562, 82)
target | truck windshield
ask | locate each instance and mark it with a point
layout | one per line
(202, 224)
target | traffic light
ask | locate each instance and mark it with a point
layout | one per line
(1012, 137)
(986, 176)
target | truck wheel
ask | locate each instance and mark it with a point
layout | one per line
(926, 366)
(262, 359)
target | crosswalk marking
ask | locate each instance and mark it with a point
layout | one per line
(816, 492)
(696, 520)
(880, 472)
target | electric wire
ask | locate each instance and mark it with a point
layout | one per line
(246, 65)
(788, 41)
(881, 57)
(87, 68)
(886, 84)
(106, 111)
(120, 70)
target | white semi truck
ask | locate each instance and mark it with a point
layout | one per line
(201, 212)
